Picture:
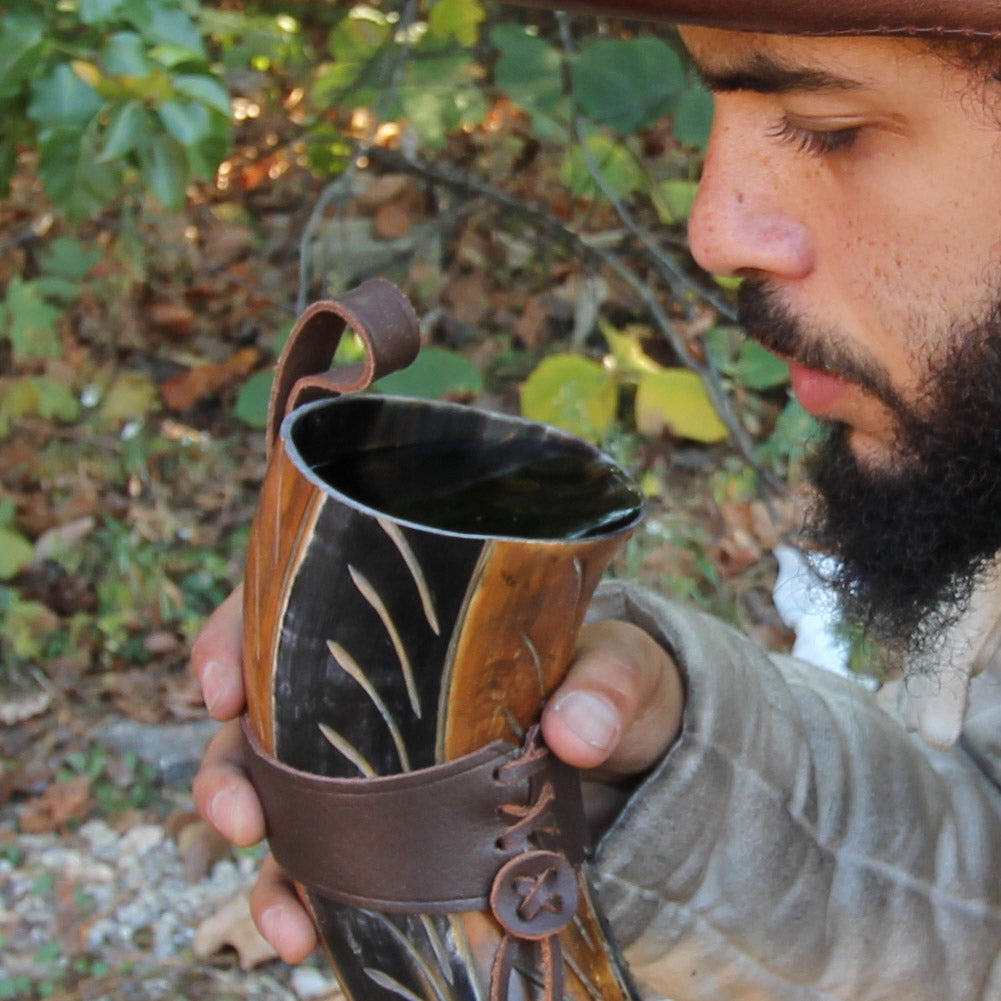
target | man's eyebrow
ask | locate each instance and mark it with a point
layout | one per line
(765, 75)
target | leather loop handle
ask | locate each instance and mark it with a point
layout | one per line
(383, 318)
(427, 841)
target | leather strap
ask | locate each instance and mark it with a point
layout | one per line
(935, 18)
(383, 318)
(497, 823)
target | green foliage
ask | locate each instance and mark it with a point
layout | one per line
(675, 400)
(618, 87)
(529, 70)
(253, 398)
(627, 84)
(572, 392)
(744, 361)
(436, 374)
(425, 73)
(30, 318)
(614, 162)
(16, 552)
(106, 89)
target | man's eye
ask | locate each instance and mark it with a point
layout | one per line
(817, 142)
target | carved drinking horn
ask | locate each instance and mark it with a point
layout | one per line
(403, 628)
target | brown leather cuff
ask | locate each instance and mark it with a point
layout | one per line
(430, 841)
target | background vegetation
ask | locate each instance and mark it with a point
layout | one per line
(180, 179)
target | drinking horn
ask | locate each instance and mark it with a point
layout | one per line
(396, 670)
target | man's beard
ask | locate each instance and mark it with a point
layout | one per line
(915, 535)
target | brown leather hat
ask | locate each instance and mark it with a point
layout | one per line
(944, 18)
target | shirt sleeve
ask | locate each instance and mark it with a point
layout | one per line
(795, 842)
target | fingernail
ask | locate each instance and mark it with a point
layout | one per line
(222, 811)
(271, 923)
(210, 685)
(592, 717)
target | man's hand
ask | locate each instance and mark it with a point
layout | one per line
(616, 713)
(223, 793)
(619, 707)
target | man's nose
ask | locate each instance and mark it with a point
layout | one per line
(745, 221)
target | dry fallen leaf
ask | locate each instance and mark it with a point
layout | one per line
(199, 844)
(233, 926)
(468, 299)
(189, 387)
(57, 806)
(62, 538)
(14, 711)
(392, 221)
(532, 324)
(171, 317)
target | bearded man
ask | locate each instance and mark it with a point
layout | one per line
(779, 834)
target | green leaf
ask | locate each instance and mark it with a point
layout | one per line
(124, 54)
(57, 289)
(439, 96)
(165, 170)
(206, 89)
(172, 30)
(330, 150)
(206, 155)
(529, 70)
(673, 200)
(69, 259)
(16, 552)
(98, 12)
(138, 13)
(18, 399)
(627, 348)
(187, 121)
(32, 323)
(435, 374)
(128, 129)
(728, 281)
(794, 434)
(75, 177)
(619, 169)
(693, 117)
(627, 84)
(759, 369)
(21, 39)
(458, 19)
(253, 399)
(8, 163)
(573, 393)
(62, 100)
(56, 401)
(359, 34)
(675, 400)
(130, 397)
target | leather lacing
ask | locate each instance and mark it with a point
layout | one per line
(534, 894)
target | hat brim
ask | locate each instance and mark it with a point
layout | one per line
(941, 18)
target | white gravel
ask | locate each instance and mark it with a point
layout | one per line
(102, 914)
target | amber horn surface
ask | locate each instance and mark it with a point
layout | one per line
(379, 648)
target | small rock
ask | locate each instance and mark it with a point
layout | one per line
(140, 839)
(309, 983)
(173, 749)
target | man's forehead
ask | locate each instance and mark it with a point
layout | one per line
(770, 64)
(935, 19)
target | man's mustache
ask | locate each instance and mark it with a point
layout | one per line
(766, 320)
